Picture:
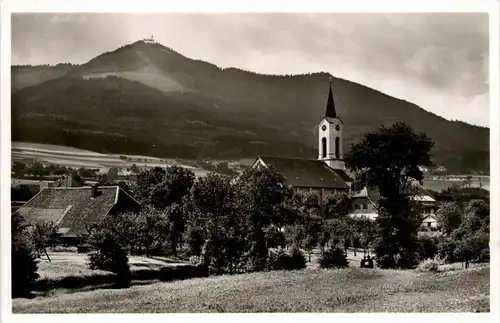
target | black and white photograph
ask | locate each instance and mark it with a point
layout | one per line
(299, 161)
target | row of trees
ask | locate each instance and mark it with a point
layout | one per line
(229, 225)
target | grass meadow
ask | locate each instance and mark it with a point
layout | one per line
(348, 290)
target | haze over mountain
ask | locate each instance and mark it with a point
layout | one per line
(148, 99)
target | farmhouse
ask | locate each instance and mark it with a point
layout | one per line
(327, 175)
(73, 209)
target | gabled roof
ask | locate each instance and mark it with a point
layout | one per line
(73, 209)
(306, 172)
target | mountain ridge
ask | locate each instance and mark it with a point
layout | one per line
(279, 110)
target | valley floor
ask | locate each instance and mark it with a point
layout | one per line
(310, 290)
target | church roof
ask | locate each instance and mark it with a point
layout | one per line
(330, 105)
(308, 173)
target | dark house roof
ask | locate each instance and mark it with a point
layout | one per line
(73, 209)
(307, 172)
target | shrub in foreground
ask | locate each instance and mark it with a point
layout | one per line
(297, 259)
(281, 260)
(431, 265)
(334, 257)
(114, 259)
(109, 253)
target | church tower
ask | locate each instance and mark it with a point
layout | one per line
(330, 136)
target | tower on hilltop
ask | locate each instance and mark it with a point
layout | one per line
(149, 40)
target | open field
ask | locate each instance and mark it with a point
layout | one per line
(73, 157)
(65, 264)
(310, 290)
(438, 185)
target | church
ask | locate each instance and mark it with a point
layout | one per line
(327, 175)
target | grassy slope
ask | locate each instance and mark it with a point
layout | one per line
(309, 290)
(65, 264)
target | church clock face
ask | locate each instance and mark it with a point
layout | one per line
(323, 128)
(337, 128)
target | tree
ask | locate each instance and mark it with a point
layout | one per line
(448, 217)
(472, 236)
(44, 235)
(110, 239)
(24, 264)
(337, 205)
(213, 216)
(162, 187)
(38, 171)
(263, 202)
(18, 168)
(368, 231)
(176, 221)
(389, 159)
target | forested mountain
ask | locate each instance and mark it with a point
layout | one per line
(148, 99)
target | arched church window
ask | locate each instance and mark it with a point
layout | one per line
(323, 147)
(337, 142)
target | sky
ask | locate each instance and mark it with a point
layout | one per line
(438, 61)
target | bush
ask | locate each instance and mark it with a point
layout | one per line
(297, 259)
(428, 265)
(112, 259)
(281, 260)
(109, 251)
(24, 264)
(277, 260)
(333, 258)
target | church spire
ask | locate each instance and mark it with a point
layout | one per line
(330, 105)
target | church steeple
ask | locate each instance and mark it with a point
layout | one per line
(330, 135)
(330, 105)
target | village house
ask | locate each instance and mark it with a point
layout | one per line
(74, 209)
(327, 174)
(364, 203)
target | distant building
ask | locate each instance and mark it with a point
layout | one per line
(423, 169)
(74, 209)
(149, 40)
(441, 169)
